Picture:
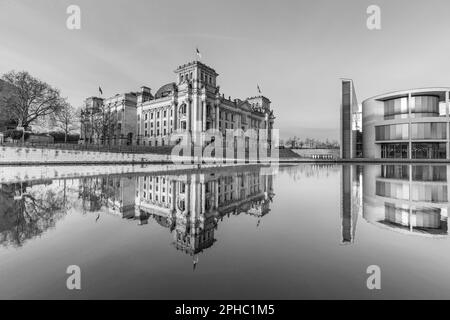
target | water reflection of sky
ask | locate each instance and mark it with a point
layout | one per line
(228, 233)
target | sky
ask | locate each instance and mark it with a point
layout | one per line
(295, 50)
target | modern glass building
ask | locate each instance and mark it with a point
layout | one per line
(410, 124)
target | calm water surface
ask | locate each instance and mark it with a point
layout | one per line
(306, 231)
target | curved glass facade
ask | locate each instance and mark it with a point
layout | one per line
(425, 106)
(433, 150)
(414, 192)
(394, 150)
(419, 150)
(429, 130)
(421, 106)
(419, 131)
(392, 132)
(396, 108)
(418, 173)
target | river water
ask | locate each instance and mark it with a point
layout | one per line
(304, 231)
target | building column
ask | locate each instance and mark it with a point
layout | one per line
(175, 116)
(203, 195)
(409, 126)
(216, 194)
(187, 197)
(154, 126)
(188, 115)
(447, 144)
(203, 115)
(217, 117)
(174, 194)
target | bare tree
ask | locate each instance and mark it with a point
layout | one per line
(33, 99)
(66, 119)
(104, 124)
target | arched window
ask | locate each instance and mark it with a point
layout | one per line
(182, 78)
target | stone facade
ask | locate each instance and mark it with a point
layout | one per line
(109, 121)
(192, 103)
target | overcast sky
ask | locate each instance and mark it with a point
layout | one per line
(295, 50)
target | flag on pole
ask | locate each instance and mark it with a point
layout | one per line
(100, 90)
(259, 89)
(198, 53)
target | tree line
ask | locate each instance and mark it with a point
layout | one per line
(309, 143)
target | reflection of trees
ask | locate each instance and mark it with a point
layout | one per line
(297, 172)
(95, 192)
(30, 214)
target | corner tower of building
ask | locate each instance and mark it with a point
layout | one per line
(350, 128)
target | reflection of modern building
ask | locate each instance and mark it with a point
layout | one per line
(410, 124)
(350, 201)
(411, 199)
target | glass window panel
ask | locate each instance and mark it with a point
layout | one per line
(420, 131)
(419, 107)
(427, 131)
(405, 131)
(397, 106)
(404, 105)
(443, 131)
(434, 129)
(414, 132)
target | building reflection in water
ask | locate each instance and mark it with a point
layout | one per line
(411, 199)
(189, 204)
